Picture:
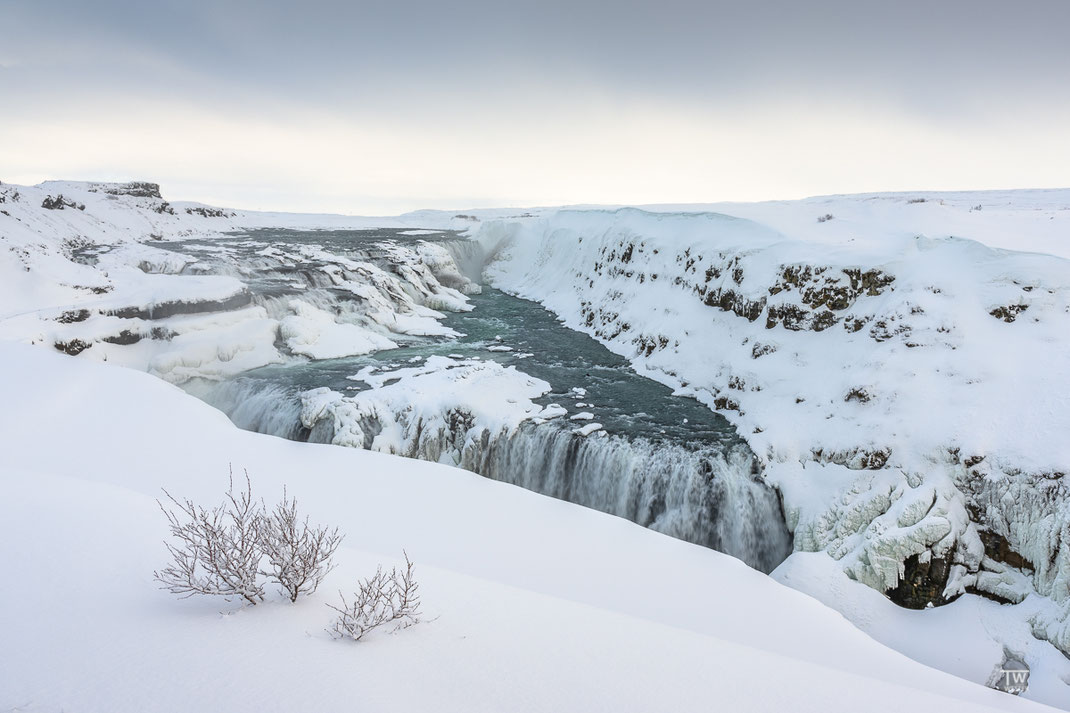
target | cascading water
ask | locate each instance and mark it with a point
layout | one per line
(665, 462)
(706, 496)
(264, 407)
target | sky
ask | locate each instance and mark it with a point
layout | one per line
(378, 107)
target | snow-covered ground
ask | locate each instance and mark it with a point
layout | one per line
(899, 373)
(533, 603)
(903, 383)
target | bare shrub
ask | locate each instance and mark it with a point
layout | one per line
(218, 550)
(825, 218)
(299, 555)
(381, 599)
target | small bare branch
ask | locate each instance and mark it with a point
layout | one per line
(381, 599)
(299, 556)
(217, 550)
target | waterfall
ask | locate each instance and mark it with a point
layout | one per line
(254, 405)
(706, 496)
(469, 257)
(712, 496)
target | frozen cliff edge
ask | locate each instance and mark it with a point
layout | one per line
(82, 270)
(482, 417)
(904, 391)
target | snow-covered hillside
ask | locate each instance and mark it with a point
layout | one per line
(904, 389)
(535, 604)
(899, 371)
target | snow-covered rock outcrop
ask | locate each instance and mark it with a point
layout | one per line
(903, 390)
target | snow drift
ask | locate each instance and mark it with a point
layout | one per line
(537, 604)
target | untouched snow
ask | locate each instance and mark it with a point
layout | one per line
(1024, 220)
(536, 604)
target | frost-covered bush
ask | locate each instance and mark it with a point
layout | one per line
(382, 599)
(220, 551)
(298, 555)
(216, 551)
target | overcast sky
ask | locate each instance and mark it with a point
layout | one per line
(385, 106)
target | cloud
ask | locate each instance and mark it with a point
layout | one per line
(393, 103)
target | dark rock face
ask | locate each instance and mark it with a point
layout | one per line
(723, 403)
(74, 347)
(855, 458)
(859, 394)
(872, 282)
(210, 212)
(823, 320)
(59, 203)
(72, 316)
(792, 316)
(138, 189)
(822, 293)
(922, 583)
(997, 547)
(170, 309)
(731, 301)
(760, 350)
(124, 338)
(814, 297)
(1009, 313)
